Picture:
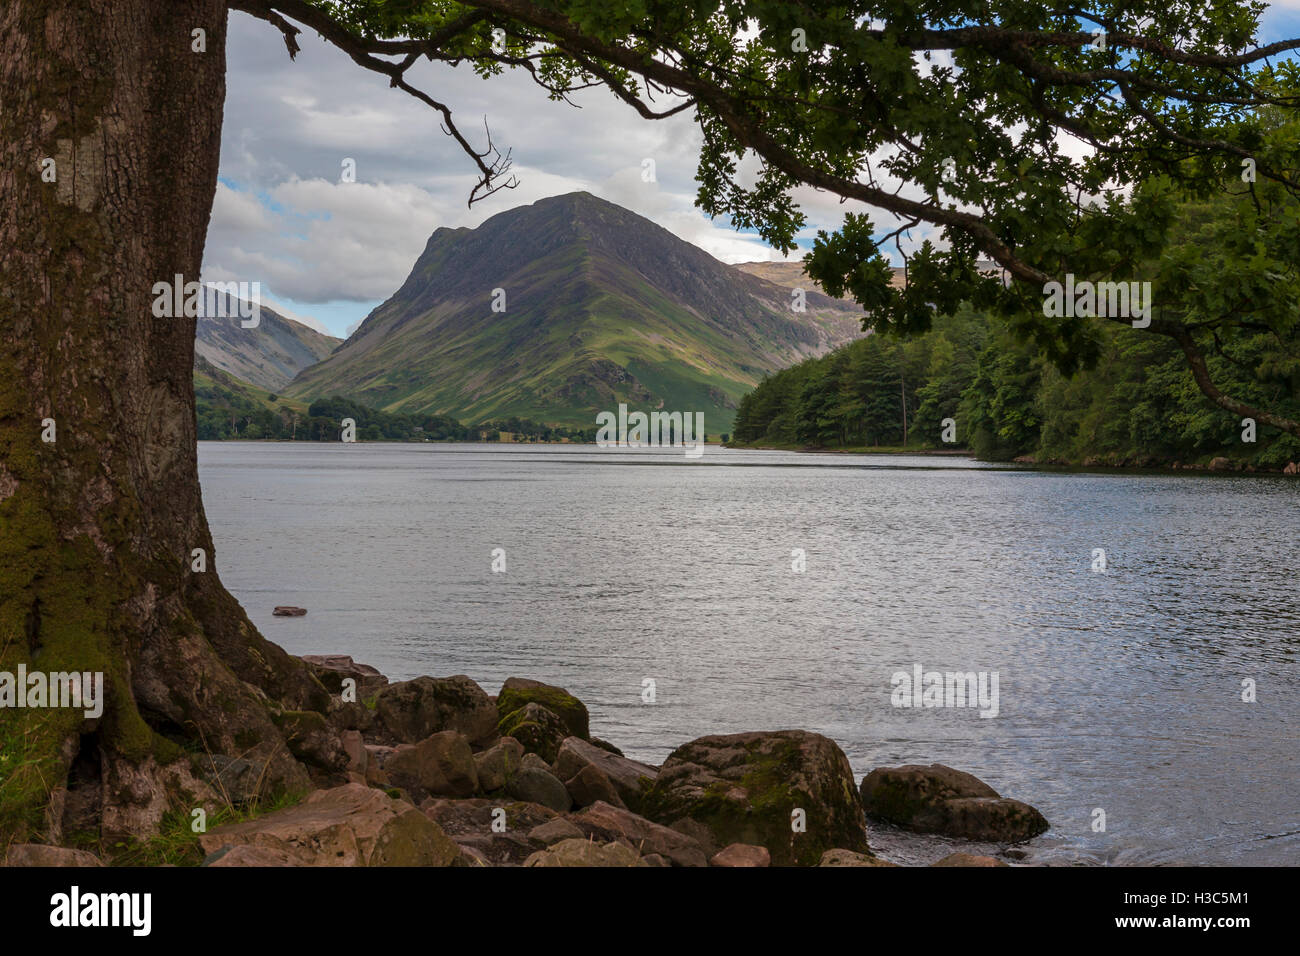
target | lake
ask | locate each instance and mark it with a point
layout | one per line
(1118, 690)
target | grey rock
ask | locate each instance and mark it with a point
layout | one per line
(629, 777)
(939, 799)
(531, 761)
(539, 786)
(499, 763)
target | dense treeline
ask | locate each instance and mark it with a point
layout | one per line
(1220, 300)
(224, 413)
(875, 392)
(1138, 406)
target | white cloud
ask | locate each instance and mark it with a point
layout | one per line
(312, 239)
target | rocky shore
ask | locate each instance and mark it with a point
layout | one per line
(435, 772)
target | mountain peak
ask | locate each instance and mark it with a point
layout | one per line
(579, 205)
(567, 306)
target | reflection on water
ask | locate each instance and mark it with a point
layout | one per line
(1120, 691)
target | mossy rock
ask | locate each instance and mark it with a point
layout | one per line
(540, 730)
(939, 799)
(518, 691)
(746, 788)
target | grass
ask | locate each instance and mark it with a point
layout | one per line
(176, 843)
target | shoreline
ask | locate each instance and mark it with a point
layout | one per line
(437, 772)
(1216, 466)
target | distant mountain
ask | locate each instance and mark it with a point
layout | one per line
(791, 275)
(601, 306)
(268, 355)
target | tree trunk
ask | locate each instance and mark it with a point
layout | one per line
(97, 528)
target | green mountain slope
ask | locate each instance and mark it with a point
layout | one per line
(601, 306)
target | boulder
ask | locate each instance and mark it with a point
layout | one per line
(37, 854)
(629, 777)
(286, 610)
(995, 820)
(534, 762)
(332, 669)
(412, 710)
(968, 859)
(1220, 464)
(352, 825)
(498, 764)
(537, 728)
(939, 799)
(441, 764)
(747, 788)
(838, 857)
(311, 739)
(539, 786)
(741, 854)
(585, 853)
(554, 831)
(1291, 469)
(605, 822)
(589, 785)
(519, 691)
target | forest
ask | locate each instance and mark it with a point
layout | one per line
(1120, 397)
(1138, 406)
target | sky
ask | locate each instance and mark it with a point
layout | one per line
(327, 251)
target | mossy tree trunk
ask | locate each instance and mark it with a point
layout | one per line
(97, 528)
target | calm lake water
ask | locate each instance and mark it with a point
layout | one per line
(1120, 691)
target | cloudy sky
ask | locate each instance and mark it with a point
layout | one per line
(328, 251)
